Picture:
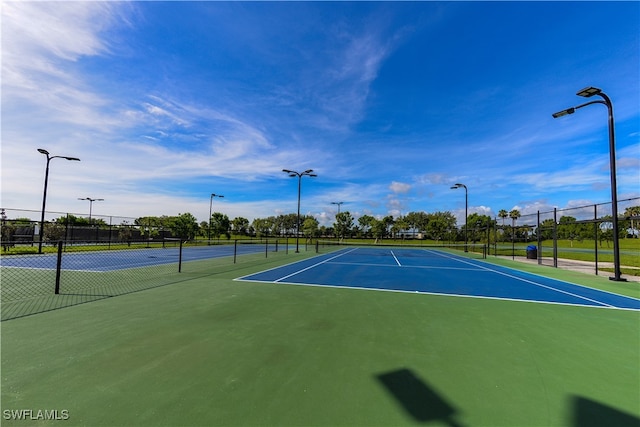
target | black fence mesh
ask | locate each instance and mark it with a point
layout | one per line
(65, 275)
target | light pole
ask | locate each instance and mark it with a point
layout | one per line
(210, 205)
(587, 93)
(90, 204)
(44, 196)
(337, 203)
(293, 174)
(466, 208)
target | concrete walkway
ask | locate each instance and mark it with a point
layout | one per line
(586, 267)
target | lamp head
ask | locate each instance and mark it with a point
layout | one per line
(71, 158)
(43, 151)
(589, 91)
(564, 112)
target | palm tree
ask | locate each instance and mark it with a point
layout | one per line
(503, 214)
(514, 214)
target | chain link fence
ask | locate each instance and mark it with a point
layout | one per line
(581, 233)
(69, 275)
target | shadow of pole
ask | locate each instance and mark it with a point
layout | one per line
(417, 398)
(589, 413)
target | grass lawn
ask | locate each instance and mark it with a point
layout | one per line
(216, 352)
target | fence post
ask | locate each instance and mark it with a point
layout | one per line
(555, 237)
(58, 267)
(595, 234)
(539, 241)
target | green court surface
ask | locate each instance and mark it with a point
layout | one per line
(210, 351)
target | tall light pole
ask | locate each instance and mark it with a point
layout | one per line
(337, 203)
(466, 209)
(587, 93)
(90, 204)
(210, 205)
(293, 174)
(44, 196)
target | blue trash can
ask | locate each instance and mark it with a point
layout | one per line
(532, 252)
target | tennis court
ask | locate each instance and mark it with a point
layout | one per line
(114, 260)
(436, 271)
(357, 336)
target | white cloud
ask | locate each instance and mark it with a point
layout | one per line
(399, 187)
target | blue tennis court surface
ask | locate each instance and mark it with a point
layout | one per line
(114, 260)
(432, 271)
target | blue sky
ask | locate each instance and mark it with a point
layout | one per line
(389, 103)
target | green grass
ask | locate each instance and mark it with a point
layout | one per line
(211, 351)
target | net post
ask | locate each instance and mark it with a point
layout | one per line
(58, 267)
(266, 248)
(180, 258)
(235, 250)
(286, 245)
(317, 246)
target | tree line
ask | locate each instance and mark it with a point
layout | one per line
(437, 226)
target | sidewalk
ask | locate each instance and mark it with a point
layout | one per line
(581, 266)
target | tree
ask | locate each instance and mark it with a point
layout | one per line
(185, 226)
(388, 222)
(378, 228)
(54, 231)
(287, 224)
(343, 224)
(514, 214)
(439, 224)
(417, 221)
(504, 215)
(220, 225)
(400, 225)
(240, 225)
(366, 222)
(151, 225)
(479, 224)
(125, 233)
(570, 229)
(310, 227)
(263, 226)
(545, 231)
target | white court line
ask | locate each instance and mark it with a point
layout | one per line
(525, 280)
(396, 258)
(441, 294)
(312, 266)
(428, 267)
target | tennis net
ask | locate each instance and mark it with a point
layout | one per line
(469, 250)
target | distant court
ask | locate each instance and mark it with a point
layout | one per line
(115, 260)
(432, 271)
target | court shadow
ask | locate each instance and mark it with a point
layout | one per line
(419, 400)
(589, 413)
